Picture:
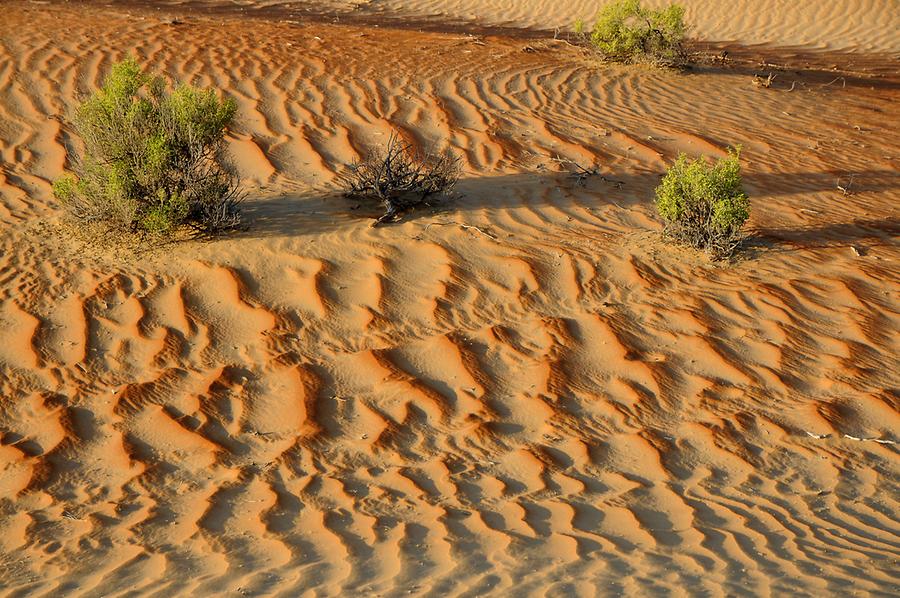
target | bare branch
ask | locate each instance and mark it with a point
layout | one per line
(401, 179)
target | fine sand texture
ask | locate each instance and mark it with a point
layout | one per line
(868, 25)
(521, 392)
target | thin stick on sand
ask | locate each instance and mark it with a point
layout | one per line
(461, 225)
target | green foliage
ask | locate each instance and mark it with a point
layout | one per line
(164, 216)
(625, 31)
(579, 26)
(153, 160)
(704, 205)
(64, 188)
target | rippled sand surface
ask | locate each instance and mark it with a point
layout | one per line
(520, 393)
(865, 25)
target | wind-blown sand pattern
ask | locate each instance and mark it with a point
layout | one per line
(869, 25)
(521, 394)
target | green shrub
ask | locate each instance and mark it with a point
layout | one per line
(627, 32)
(154, 159)
(704, 205)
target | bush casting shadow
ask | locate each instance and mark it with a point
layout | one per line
(328, 211)
(154, 159)
(625, 31)
(401, 179)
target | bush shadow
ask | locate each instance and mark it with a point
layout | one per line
(325, 211)
(820, 69)
(862, 235)
(330, 210)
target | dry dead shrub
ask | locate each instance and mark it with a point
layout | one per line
(401, 179)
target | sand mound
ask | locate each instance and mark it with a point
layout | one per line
(521, 393)
(864, 25)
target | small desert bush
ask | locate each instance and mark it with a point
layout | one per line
(704, 205)
(625, 31)
(153, 158)
(400, 178)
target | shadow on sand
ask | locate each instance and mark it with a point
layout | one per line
(860, 234)
(329, 211)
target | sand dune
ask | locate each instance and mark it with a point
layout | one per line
(865, 25)
(545, 401)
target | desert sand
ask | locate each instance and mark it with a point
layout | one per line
(523, 392)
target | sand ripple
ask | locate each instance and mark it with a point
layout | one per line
(548, 404)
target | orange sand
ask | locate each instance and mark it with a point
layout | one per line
(545, 402)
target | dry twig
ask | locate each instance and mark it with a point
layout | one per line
(463, 226)
(767, 82)
(844, 84)
(581, 173)
(848, 188)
